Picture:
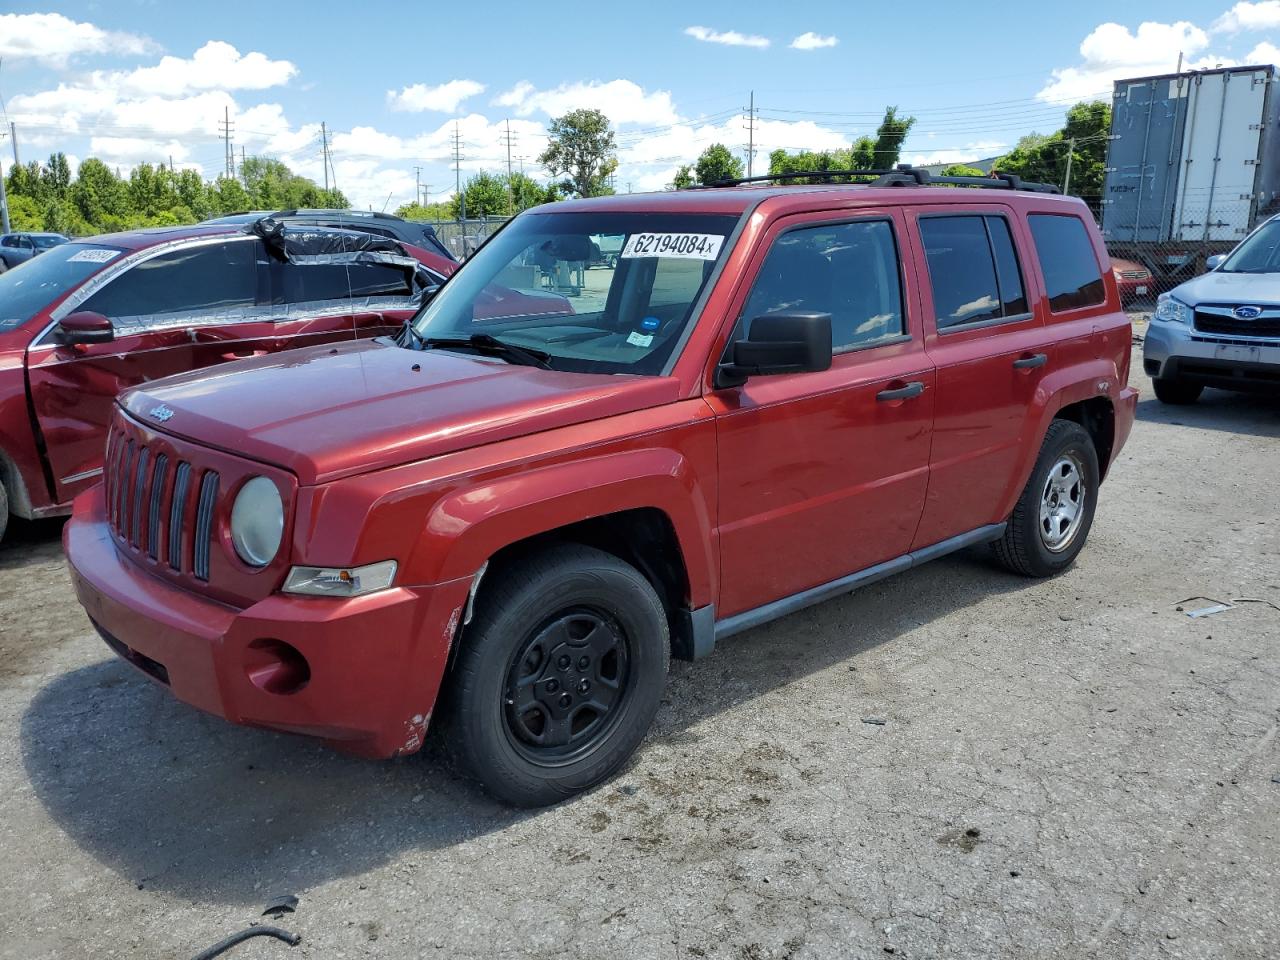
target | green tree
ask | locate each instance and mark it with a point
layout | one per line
(56, 176)
(684, 177)
(961, 170)
(1044, 160)
(98, 194)
(24, 214)
(890, 135)
(582, 148)
(486, 196)
(429, 212)
(716, 163)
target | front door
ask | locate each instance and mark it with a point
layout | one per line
(824, 474)
(182, 309)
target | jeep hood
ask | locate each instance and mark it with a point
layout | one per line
(329, 412)
(1231, 288)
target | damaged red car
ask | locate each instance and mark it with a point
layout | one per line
(89, 318)
(504, 521)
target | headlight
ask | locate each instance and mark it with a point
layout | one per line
(257, 522)
(1171, 310)
(341, 581)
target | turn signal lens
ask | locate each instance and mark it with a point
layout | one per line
(341, 581)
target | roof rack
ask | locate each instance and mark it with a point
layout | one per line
(904, 175)
(335, 212)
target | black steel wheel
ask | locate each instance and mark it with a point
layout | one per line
(566, 685)
(558, 676)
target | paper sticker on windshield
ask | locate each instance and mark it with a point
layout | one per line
(93, 255)
(682, 246)
(637, 339)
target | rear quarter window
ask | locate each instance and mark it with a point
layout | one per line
(1072, 276)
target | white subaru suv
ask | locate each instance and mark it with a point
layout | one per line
(1221, 329)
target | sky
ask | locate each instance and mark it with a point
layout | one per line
(135, 81)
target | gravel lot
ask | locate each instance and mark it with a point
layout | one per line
(1066, 768)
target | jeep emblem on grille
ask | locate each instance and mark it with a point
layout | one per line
(161, 413)
(1247, 313)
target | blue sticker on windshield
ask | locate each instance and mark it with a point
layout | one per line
(650, 323)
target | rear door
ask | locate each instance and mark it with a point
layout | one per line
(990, 350)
(824, 474)
(180, 307)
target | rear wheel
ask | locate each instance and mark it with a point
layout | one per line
(1177, 392)
(559, 675)
(1048, 527)
(4, 509)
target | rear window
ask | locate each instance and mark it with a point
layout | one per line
(1072, 277)
(973, 269)
(27, 289)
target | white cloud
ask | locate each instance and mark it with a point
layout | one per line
(1112, 52)
(131, 151)
(977, 150)
(622, 101)
(54, 39)
(215, 66)
(730, 38)
(1264, 15)
(813, 41)
(1263, 53)
(445, 98)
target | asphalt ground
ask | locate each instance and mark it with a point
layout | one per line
(1064, 768)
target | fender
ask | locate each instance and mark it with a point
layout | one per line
(468, 526)
(1095, 377)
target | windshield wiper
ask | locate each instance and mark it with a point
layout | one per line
(483, 343)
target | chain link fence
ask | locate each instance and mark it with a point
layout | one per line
(462, 237)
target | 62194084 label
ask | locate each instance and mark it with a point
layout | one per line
(684, 246)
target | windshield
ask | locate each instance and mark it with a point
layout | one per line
(595, 292)
(46, 243)
(1259, 253)
(30, 287)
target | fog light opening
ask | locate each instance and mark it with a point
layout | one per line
(276, 667)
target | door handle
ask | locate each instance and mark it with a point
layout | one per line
(912, 389)
(1031, 362)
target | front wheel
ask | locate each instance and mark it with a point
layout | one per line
(558, 676)
(1048, 527)
(1176, 392)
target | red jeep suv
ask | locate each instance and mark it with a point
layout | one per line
(504, 522)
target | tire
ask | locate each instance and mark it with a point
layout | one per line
(1177, 392)
(4, 510)
(542, 629)
(1041, 544)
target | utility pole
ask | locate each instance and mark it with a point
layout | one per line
(511, 189)
(1071, 149)
(457, 172)
(324, 153)
(13, 134)
(243, 176)
(751, 133)
(417, 185)
(4, 203)
(228, 152)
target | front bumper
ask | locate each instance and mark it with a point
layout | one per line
(1174, 351)
(370, 666)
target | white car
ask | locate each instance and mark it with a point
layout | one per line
(1221, 329)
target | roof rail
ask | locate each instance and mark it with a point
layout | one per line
(904, 175)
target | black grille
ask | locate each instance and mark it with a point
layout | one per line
(177, 509)
(204, 525)
(149, 513)
(1234, 326)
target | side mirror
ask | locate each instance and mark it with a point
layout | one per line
(779, 343)
(1214, 262)
(84, 327)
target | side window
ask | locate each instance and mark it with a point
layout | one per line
(190, 280)
(849, 270)
(8, 240)
(310, 283)
(973, 269)
(1072, 277)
